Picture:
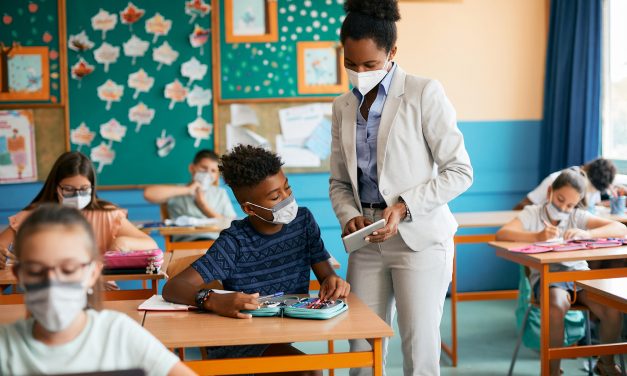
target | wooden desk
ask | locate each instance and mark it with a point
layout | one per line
(486, 220)
(541, 262)
(13, 312)
(611, 292)
(196, 329)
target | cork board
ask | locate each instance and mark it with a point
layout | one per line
(49, 138)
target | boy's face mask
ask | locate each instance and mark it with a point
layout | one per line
(205, 179)
(282, 213)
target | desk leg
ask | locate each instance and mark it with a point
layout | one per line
(545, 338)
(377, 353)
(154, 284)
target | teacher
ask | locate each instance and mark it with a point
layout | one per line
(396, 154)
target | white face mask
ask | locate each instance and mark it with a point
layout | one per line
(282, 213)
(366, 81)
(555, 213)
(77, 201)
(204, 178)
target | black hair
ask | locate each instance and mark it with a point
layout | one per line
(375, 19)
(601, 173)
(575, 179)
(246, 166)
(205, 153)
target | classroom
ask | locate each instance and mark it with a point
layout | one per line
(313, 187)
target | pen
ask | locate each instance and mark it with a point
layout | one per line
(271, 296)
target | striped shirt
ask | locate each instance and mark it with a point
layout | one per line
(246, 260)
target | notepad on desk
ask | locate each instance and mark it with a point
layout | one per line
(157, 303)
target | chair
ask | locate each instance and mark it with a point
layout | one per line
(534, 303)
(171, 245)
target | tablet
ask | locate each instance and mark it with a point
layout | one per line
(356, 240)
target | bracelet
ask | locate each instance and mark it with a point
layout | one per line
(202, 296)
(407, 211)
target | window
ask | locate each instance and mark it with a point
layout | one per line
(614, 86)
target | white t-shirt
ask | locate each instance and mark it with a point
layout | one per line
(532, 217)
(110, 341)
(538, 195)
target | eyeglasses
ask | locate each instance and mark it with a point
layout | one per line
(34, 272)
(69, 191)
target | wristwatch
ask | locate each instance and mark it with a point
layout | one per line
(202, 296)
(407, 212)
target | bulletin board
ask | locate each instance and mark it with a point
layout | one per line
(30, 24)
(143, 26)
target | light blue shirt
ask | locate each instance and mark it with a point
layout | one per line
(367, 131)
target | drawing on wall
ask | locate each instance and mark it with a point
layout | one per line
(251, 21)
(17, 147)
(24, 73)
(320, 68)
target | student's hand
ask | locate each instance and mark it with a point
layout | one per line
(194, 187)
(4, 254)
(230, 305)
(355, 224)
(393, 216)
(334, 287)
(576, 233)
(549, 232)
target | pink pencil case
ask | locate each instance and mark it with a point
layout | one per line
(151, 259)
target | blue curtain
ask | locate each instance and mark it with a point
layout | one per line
(572, 88)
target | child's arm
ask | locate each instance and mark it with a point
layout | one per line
(158, 194)
(332, 287)
(598, 228)
(183, 288)
(515, 232)
(131, 238)
(6, 238)
(201, 203)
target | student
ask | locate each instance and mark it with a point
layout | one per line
(57, 267)
(561, 217)
(200, 198)
(72, 182)
(600, 173)
(271, 250)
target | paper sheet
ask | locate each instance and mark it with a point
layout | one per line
(157, 303)
(297, 123)
(296, 156)
(240, 135)
(242, 114)
(320, 140)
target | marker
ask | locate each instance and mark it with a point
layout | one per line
(271, 296)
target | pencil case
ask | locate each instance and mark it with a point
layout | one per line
(149, 260)
(301, 308)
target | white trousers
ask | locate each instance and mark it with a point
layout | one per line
(390, 277)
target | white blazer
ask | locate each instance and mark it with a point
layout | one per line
(420, 157)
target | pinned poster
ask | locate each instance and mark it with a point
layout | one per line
(110, 92)
(158, 26)
(320, 139)
(80, 42)
(106, 54)
(164, 54)
(112, 131)
(296, 156)
(196, 8)
(242, 114)
(104, 21)
(198, 38)
(103, 155)
(200, 130)
(17, 147)
(236, 135)
(135, 48)
(141, 82)
(81, 69)
(130, 15)
(199, 98)
(175, 92)
(193, 70)
(140, 114)
(297, 123)
(82, 136)
(165, 144)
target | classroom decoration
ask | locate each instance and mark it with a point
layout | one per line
(17, 147)
(81, 69)
(135, 48)
(110, 92)
(130, 15)
(141, 82)
(82, 136)
(321, 68)
(251, 21)
(199, 98)
(25, 74)
(175, 92)
(112, 131)
(103, 155)
(196, 8)
(140, 114)
(198, 38)
(104, 21)
(193, 70)
(106, 54)
(80, 42)
(200, 130)
(164, 54)
(165, 144)
(158, 26)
